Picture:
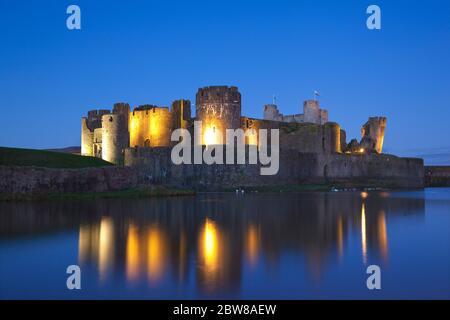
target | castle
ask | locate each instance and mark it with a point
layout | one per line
(111, 135)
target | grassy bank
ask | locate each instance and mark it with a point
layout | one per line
(153, 192)
(47, 159)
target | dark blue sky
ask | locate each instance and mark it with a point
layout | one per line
(157, 51)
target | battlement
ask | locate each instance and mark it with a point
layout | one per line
(311, 113)
(311, 104)
(97, 113)
(218, 94)
(121, 108)
(381, 121)
(148, 107)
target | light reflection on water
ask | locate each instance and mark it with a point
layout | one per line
(301, 245)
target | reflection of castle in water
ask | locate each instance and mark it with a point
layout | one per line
(213, 238)
(223, 233)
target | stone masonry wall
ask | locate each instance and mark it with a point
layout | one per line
(155, 166)
(35, 180)
(437, 176)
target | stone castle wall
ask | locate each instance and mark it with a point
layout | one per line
(155, 166)
(437, 176)
(17, 181)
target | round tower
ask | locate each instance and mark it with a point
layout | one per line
(331, 138)
(115, 137)
(219, 108)
(87, 138)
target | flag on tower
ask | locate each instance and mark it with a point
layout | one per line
(316, 94)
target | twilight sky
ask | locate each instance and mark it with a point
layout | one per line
(157, 51)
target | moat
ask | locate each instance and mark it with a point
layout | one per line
(225, 245)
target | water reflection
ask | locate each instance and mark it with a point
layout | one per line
(363, 233)
(210, 239)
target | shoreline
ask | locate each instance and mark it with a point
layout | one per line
(133, 193)
(165, 191)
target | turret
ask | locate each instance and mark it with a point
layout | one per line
(115, 134)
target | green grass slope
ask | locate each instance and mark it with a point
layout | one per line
(47, 159)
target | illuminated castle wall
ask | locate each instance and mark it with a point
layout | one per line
(107, 134)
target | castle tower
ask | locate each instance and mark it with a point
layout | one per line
(219, 108)
(271, 112)
(150, 126)
(311, 111)
(115, 134)
(331, 138)
(88, 125)
(181, 113)
(372, 133)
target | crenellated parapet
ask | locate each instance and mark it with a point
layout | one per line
(312, 113)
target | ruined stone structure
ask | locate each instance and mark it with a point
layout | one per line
(312, 149)
(373, 134)
(312, 113)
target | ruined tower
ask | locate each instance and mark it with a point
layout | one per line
(88, 125)
(115, 134)
(372, 133)
(219, 108)
(271, 113)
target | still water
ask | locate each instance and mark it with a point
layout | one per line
(222, 245)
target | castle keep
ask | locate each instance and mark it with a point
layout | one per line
(311, 147)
